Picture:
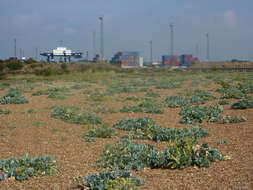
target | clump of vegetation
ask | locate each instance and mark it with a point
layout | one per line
(145, 106)
(105, 110)
(57, 92)
(146, 128)
(68, 114)
(110, 180)
(29, 111)
(134, 98)
(243, 104)
(152, 94)
(233, 119)
(180, 154)
(99, 132)
(53, 92)
(175, 101)
(5, 111)
(246, 88)
(224, 102)
(130, 109)
(40, 92)
(14, 65)
(199, 114)
(25, 167)
(151, 107)
(48, 72)
(232, 93)
(77, 87)
(4, 86)
(13, 97)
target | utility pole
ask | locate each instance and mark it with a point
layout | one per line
(15, 47)
(102, 38)
(20, 53)
(36, 54)
(207, 47)
(87, 56)
(151, 52)
(171, 40)
(94, 43)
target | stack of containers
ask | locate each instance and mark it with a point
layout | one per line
(128, 59)
(182, 60)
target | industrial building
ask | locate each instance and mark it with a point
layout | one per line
(128, 59)
(179, 61)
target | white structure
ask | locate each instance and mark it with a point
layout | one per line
(61, 51)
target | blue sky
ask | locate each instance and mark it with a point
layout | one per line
(129, 25)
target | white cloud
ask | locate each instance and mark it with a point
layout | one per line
(230, 19)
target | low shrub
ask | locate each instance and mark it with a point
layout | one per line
(25, 167)
(224, 102)
(48, 72)
(4, 111)
(68, 114)
(99, 132)
(246, 88)
(232, 93)
(198, 114)
(180, 154)
(243, 104)
(233, 119)
(146, 128)
(30, 61)
(175, 101)
(14, 65)
(13, 97)
(130, 109)
(110, 180)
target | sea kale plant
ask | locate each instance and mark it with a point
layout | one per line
(25, 167)
(70, 115)
(146, 128)
(13, 97)
(199, 114)
(180, 154)
(110, 180)
(243, 104)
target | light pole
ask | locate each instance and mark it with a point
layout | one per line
(151, 52)
(207, 47)
(171, 40)
(102, 38)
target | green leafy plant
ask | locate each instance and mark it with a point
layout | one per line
(15, 65)
(110, 180)
(232, 93)
(146, 128)
(68, 114)
(246, 88)
(175, 101)
(150, 93)
(180, 154)
(243, 104)
(13, 97)
(100, 132)
(233, 119)
(224, 102)
(25, 167)
(199, 114)
(5, 111)
(130, 109)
